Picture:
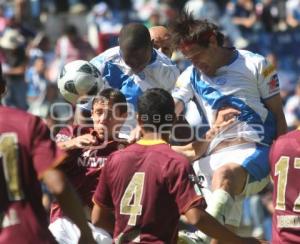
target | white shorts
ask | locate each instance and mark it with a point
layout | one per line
(66, 232)
(206, 166)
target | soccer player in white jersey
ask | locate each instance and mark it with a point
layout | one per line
(236, 161)
(135, 65)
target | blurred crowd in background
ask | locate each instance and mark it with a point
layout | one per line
(38, 37)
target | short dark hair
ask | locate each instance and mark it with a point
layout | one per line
(156, 108)
(71, 30)
(134, 36)
(113, 96)
(187, 29)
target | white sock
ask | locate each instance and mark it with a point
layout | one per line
(218, 205)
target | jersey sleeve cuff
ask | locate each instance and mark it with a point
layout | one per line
(272, 95)
(198, 201)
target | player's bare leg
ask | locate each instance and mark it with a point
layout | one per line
(227, 182)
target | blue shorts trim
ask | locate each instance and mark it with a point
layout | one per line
(257, 165)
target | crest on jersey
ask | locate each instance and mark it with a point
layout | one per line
(221, 81)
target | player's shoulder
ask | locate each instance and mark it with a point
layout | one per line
(111, 54)
(162, 65)
(251, 56)
(160, 57)
(188, 71)
(16, 112)
(286, 142)
(185, 76)
(294, 134)
(19, 115)
(162, 151)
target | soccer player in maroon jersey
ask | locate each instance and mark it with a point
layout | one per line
(285, 172)
(89, 148)
(26, 155)
(148, 186)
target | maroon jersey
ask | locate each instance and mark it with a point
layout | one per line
(25, 153)
(285, 171)
(83, 167)
(148, 186)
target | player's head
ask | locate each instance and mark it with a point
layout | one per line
(136, 46)
(109, 112)
(2, 82)
(156, 111)
(161, 39)
(198, 40)
(71, 32)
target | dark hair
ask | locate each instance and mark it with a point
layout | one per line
(187, 29)
(134, 36)
(113, 96)
(71, 30)
(156, 108)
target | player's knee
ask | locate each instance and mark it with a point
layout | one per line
(230, 177)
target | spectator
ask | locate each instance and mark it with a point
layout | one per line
(292, 109)
(69, 47)
(203, 9)
(3, 20)
(103, 26)
(14, 65)
(293, 13)
(40, 47)
(244, 16)
(268, 12)
(36, 81)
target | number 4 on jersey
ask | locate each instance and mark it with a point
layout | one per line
(132, 197)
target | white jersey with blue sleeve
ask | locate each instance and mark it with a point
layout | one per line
(159, 73)
(243, 84)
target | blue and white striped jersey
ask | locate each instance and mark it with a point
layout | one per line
(159, 73)
(243, 84)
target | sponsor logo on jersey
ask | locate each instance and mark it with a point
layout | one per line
(221, 81)
(273, 84)
(62, 138)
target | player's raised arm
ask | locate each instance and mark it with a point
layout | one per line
(77, 142)
(274, 104)
(196, 149)
(45, 157)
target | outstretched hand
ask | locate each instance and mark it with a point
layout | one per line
(217, 128)
(225, 114)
